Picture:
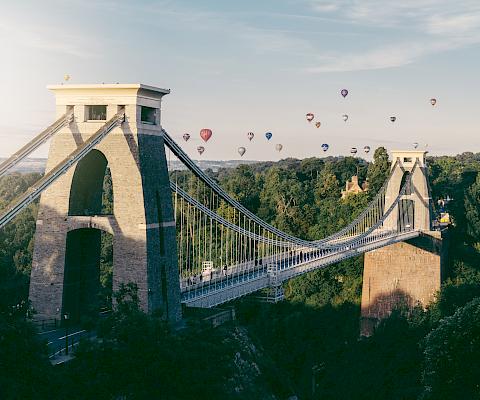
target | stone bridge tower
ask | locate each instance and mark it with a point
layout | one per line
(417, 196)
(72, 214)
(405, 273)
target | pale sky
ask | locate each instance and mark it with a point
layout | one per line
(240, 66)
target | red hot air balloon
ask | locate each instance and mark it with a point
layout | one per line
(310, 117)
(206, 134)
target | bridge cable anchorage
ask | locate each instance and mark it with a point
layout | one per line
(36, 142)
(225, 254)
(43, 183)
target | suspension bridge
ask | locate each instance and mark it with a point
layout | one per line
(176, 233)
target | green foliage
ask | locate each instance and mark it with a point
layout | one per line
(338, 284)
(452, 356)
(378, 170)
(139, 357)
(282, 200)
(106, 270)
(314, 334)
(242, 184)
(107, 193)
(16, 242)
(472, 209)
(297, 337)
(25, 371)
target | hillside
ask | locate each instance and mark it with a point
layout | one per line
(273, 350)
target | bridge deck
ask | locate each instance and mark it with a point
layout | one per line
(210, 294)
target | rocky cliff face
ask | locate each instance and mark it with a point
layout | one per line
(255, 375)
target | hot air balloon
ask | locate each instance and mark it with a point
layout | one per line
(325, 147)
(415, 145)
(317, 124)
(250, 135)
(205, 134)
(66, 77)
(344, 92)
(269, 135)
(433, 101)
(353, 150)
(393, 119)
(186, 136)
(200, 149)
(366, 149)
(278, 147)
(241, 151)
(310, 117)
(345, 117)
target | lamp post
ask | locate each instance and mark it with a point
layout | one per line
(65, 316)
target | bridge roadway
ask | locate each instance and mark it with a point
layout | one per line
(220, 290)
(56, 339)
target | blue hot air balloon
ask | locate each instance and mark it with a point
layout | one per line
(269, 135)
(325, 147)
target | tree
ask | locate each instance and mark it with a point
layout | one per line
(452, 356)
(242, 185)
(282, 201)
(472, 210)
(327, 186)
(139, 357)
(377, 172)
(311, 167)
(25, 371)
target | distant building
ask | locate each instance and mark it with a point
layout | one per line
(352, 186)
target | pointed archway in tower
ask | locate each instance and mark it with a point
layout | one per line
(141, 216)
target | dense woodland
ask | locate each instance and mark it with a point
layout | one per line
(307, 346)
